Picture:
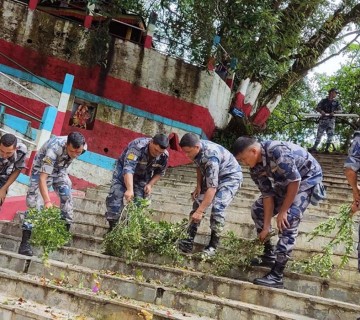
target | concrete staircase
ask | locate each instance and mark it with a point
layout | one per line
(83, 283)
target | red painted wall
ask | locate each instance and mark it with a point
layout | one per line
(90, 80)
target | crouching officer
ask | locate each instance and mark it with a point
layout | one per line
(138, 168)
(50, 169)
(12, 161)
(219, 176)
(297, 181)
(352, 167)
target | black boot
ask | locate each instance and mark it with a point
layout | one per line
(327, 148)
(186, 245)
(267, 259)
(25, 247)
(210, 249)
(274, 278)
(112, 225)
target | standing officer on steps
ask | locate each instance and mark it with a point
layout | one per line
(289, 178)
(139, 167)
(12, 161)
(327, 107)
(50, 169)
(219, 176)
(352, 167)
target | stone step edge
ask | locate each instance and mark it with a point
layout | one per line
(213, 299)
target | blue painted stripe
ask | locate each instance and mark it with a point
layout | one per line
(23, 179)
(98, 160)
(48, 118)
(111, 103)
(68, 83)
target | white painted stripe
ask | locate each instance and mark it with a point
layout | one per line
(252, 93)
(274, 102)
(43, 136)
(243, 86)
(63, 103)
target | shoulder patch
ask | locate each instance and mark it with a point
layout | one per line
(131, 156)
(48, 160)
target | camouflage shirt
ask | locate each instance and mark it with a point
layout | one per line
(283, 163)
(52, 158)
(328, 106)
(217, 165)
(136, 160)
(15, 162)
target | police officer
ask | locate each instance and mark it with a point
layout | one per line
(50, 169)
(352, 167)
(139, 167)
(288, 178)
(219, 176)
(327, 107)
(12, 161)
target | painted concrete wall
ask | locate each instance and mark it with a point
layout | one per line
(142, 78)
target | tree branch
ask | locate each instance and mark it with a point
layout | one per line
(337, 53)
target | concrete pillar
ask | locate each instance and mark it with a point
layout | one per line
(63, 103)
(150, 30)
(44, 133)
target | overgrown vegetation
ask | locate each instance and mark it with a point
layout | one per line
(49, 230)
(235, 253)
(322, 263)
(137, 235)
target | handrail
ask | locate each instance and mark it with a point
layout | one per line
(21, 138)
(21, 112)
(26, 89)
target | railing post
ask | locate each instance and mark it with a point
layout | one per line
(33, 4)
(150, 30)
(89, 15)
(44, 133)
(63, 103)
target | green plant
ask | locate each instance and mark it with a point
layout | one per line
(49, 231)
(137, 235)
(322, 263)
(235, 253)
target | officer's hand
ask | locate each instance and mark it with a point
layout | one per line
(263, 234)
(148, 189)
(129, 195)
(48, 204)
(197, 216)
(2, 195)
(195, 193)
(332, 114)
(322, 113)
(282, 222)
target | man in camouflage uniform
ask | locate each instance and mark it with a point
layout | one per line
(352, 167)
(327, 107)
(219, 176)
(12, 161)
(288, 178)
(50, 169)
(139, 167)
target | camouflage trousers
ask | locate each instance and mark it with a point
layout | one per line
(223, 197)
(295, 213)
(328, 126)
(62, 187)
(115, 199)
(358, 248)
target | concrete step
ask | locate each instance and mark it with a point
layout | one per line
(234, 295)
(157, 295)
(98, 305)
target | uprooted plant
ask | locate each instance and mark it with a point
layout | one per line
(137, 235)
(322, 263)
(49, 230)
(235, 253)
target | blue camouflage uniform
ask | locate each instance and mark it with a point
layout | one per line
(220, 170)
(283, 163)
(52, 159)
(327, 123)
(353, 162)
(15, 162)
(136, 160)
